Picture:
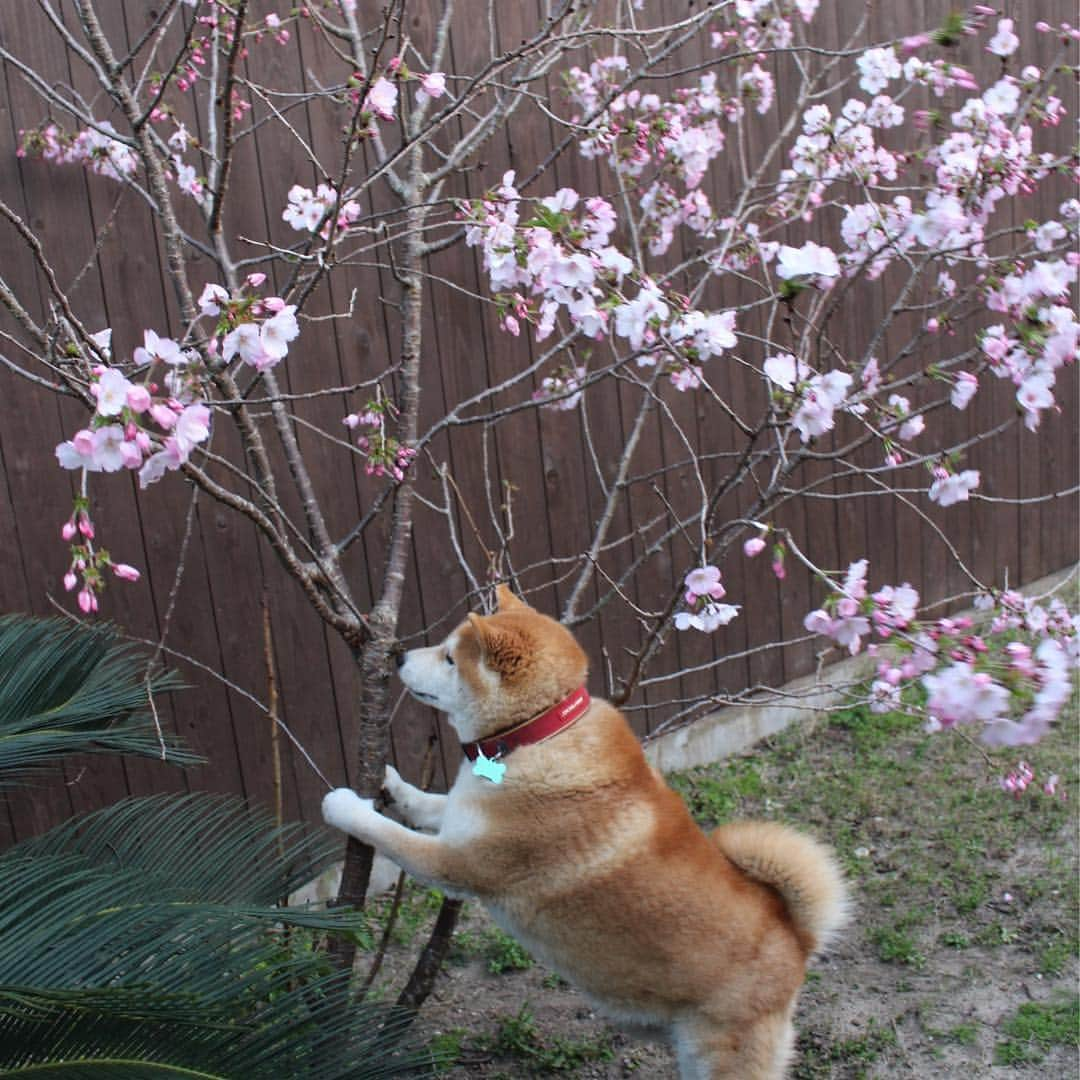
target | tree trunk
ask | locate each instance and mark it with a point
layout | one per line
(429, 963)
(375, 658)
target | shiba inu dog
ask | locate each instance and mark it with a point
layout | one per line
(558, 824)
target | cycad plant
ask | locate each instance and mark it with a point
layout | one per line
(145, 940)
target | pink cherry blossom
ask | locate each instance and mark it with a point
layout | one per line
(103, 340)
(432, 85)
(71, 455)
(111, 451)
(192, 427)
(876, 68)
(276, 333)
(244, 341)
(963, 389)
(158, 348)
(754, 546)
(954, 487)
(959, 695)
(632, 320)
(811, 261)
(382, 99)
(1004, 42)
(112, 392)
(165, 460)
(212, 298)
(705, 581)
(785, 371)
(138, 398)
(1034, 395)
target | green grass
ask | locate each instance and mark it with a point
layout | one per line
(964, 1034)
(446, 1048)
(920, 824)
(896, 947)
(942, 865)
(499, 951)
(519, 1037)
(819, 1058)
(503, 953)
(714, 792)
(419, 906)
(1055, 956)
(1035, 1028)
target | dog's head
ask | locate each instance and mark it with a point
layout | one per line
(498, 670)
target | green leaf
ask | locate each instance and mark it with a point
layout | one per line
(69, 689)
(148, 939)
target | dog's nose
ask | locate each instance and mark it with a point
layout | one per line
(399, 658)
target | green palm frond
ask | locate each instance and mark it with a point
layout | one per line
(213, 847)
(146, 939)
(184, 887)
(311, 1033)
(68, 689)
(148, 932)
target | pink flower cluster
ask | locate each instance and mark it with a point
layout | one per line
(381, 99)
(385, 455)
(136, 427)
(88, 564)
(1018, 780)
(99, 149)
(844, 618)
(1011, 689)
(307, 208)
(256, 329)
(1045, 333)
(561, 391)
(761, 24)
(560, 260)
(153, 418)
(812, 399)
(703, 610)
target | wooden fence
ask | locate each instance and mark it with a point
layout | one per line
(218, 616)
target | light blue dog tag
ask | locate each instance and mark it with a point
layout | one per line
(488, 768)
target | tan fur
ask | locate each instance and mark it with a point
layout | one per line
(586, 855)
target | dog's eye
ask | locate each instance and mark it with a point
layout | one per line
(449, 659)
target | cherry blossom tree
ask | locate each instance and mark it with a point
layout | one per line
(715, 315)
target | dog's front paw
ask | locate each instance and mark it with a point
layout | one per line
(393, 785)
(345, 810)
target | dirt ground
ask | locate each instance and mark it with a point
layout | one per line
(961, 961)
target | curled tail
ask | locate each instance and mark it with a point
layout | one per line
(803, 871)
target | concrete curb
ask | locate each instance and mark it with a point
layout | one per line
(736, 728)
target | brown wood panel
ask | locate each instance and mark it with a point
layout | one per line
(557, 497)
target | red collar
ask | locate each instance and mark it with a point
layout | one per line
(536, 730)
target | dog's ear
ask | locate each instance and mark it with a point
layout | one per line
(506, 600)
(505, 650)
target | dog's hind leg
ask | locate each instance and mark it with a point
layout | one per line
(758, 1051)
(421, 809)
